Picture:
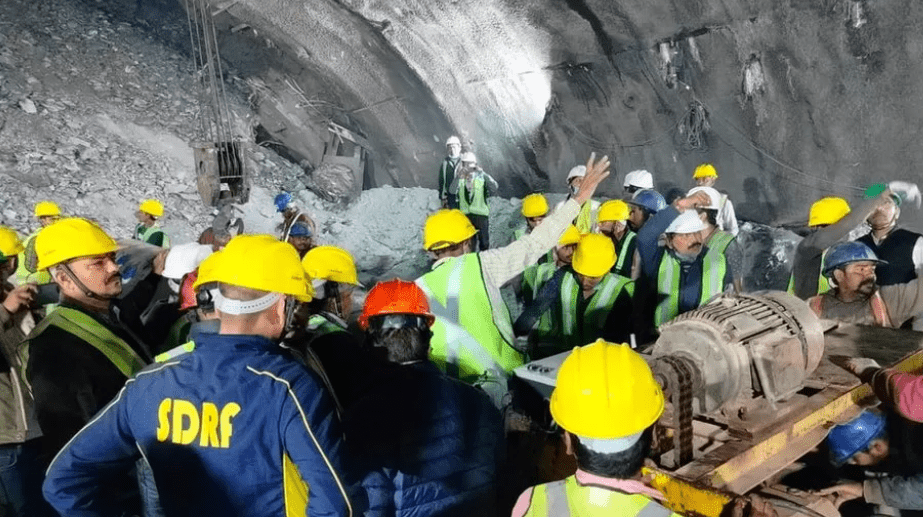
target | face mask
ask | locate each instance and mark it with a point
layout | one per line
(686, 257)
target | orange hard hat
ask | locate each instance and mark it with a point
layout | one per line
(187, 298)
(395, 297)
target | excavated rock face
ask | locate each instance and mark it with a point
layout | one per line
(790, 100)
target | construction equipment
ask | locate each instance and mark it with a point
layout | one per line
(220, 157)
(751, 390)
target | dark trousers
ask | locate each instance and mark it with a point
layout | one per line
(451, 201)
(482, 225)
(21, 474)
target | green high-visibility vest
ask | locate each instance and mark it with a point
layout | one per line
(586, 218)
(467, 341)
(173, 353)
(823, 285)
(623, 254)
(27, 264)
(478, 204)
(568, 497)
(146, 233)
(719, 241)
(533, 279)
(82, 325)
(596, 312)
(714, 268)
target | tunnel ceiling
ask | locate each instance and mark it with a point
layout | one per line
(790, 100)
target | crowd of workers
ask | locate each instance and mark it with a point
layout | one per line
(231, 378)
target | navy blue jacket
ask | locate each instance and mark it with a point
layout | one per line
(430, 444)
(236, 427)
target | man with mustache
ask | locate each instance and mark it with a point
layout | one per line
(855, 296)
(678, 272)
(82, 353)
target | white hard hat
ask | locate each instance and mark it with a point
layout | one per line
(687, 222)
(469, 157)
(184, 258)
(713, 195)
(577, 172)
(452, 140)
(639, 178)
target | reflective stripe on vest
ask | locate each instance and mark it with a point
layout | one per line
(82, 325)
(144, 234)
(719, 241)
(714, 268)
(478, 205)
(173, 353)
(879, 309)
(467, 342)
(623, 250)
(597, 311)
(567, 497)
(539, 275)
(586, 218)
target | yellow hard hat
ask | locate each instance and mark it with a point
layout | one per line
(606, 391)
(206, 272)
(152, 207)
(706, 170)
(613, 210)
(570, 236)
(47, 209)
(10, 244)
(595, 255)
(330, 263)
(71, 238)
(260, 262)
(534, 205)
(446, 228)
(827, 210)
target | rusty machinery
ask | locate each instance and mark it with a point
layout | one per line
(751, 390)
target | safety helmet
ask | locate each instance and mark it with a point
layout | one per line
(260, 262)
(876, 190)
(206, 272)
(604, 391)
(47, 209)
(184, 258)
(845, 253)
(71, 238)
(827, 210)
(299, 230)
(452, 140)
(847, 439)
(283, 201)
(639, 178)
(595, 255)
(446, 228)
(650, 200)
(468, 157)
(534, 205)
(613, 210)
(10, 244)
(151, 207)
(713, 195)
(330, 263)
(687, 222)
(705, 170)
(570, 236)
(577, 171)
(395, 297)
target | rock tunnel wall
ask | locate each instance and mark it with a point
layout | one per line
(790, 100)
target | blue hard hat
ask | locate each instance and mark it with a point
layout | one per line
(299, 230)
(847, 252)
(855, 436)
(282, 201)
(650, 200)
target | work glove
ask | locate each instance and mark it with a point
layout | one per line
(862, 367)
(906, 191)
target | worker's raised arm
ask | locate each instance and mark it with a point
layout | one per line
(503, 264)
